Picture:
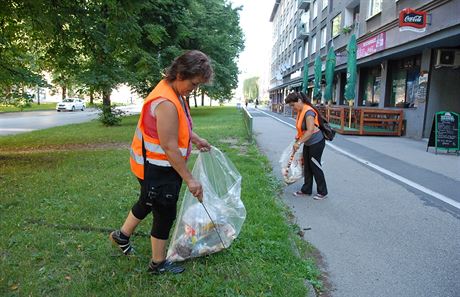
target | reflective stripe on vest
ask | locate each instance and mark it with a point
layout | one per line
(140, 160)
(156, 148)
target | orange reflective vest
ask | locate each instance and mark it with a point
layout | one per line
(300, 118)
(153, 151)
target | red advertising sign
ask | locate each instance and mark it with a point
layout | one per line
(371, 45)
(413, 20)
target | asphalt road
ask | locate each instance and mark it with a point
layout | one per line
(20, 122)
(384, 229)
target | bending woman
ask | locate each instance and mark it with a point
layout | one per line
(308, 133)
(160, 149)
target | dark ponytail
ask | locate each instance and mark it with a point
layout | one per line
(295, 96)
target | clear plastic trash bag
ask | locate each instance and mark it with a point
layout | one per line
(195, 233)
(292, 164)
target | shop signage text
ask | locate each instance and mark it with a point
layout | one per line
(413, 20)
(371, 45)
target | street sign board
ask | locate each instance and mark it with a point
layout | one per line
(445, 133)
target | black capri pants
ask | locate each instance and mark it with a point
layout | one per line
(159, 192)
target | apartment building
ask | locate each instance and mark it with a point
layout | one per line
(408, 53)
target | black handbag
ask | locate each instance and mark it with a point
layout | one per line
(327, 130)
(324, 127)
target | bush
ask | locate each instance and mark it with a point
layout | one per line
(110, 115)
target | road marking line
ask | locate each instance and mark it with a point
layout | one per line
(404, 180)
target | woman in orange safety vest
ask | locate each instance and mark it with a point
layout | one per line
(308, 133)
(160, 148)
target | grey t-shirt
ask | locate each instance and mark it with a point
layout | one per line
(315, 137)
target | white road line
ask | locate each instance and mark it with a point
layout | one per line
(404, 180)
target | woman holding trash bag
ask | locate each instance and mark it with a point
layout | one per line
(308, 133)
(159, 151)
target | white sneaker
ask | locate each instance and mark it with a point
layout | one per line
(319, 197)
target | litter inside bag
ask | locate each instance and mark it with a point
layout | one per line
(291, 164)
(208, 227)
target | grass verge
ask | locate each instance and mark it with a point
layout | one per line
(63, 189)
(33, 107)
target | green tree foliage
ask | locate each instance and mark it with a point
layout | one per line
(218, 34)
(251, 88)
(19, 67)
(94, 46)
(170, 27)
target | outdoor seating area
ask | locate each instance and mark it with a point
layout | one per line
(358, 121)
(365, 120)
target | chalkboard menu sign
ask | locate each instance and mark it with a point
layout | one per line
(445, 132)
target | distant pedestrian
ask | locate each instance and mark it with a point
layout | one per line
(257, 102)
(246, 103)
(159, 152)
(308, 133)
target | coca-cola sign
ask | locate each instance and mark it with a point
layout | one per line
(413, 20)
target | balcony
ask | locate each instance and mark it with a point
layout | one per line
(303, 4)
(302, 33)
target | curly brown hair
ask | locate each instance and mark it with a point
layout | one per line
(191, 64)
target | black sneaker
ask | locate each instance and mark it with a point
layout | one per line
(122, 243)
(165, 266)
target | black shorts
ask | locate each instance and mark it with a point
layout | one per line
(159, 195)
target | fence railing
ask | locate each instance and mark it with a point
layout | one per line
(247, 119)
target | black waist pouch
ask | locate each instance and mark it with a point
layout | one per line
(161, 186)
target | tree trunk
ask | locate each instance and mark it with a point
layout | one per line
(38, 96)
(106, 97)
(91, 97)
(188, 101)
(202, 98)
(194, 98)
(64, 92)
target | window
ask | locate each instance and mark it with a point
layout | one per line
(323, 36)
(313, 45)
(375, 6)
(315, 9)
(371, 87)
(336, 22)
(299, 54)
(404, 77)
(351, 16)
(324, 4)
(305, 49)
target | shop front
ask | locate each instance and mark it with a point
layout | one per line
(404, 77)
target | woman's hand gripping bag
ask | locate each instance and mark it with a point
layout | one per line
(208, 227)
(291, 164)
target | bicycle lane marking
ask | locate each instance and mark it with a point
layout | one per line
(389, 173)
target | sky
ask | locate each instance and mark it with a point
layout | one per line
(257, 29)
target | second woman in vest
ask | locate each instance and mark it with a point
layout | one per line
(308, 133)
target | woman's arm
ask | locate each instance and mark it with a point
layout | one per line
(168, 133)
(311, 128)
(201, 143)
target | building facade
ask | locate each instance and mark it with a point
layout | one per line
(416, 70)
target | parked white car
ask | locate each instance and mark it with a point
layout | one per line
(71, 104)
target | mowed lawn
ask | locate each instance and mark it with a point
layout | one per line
(63, 189)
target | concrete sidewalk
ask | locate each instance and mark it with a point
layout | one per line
(378, 234)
